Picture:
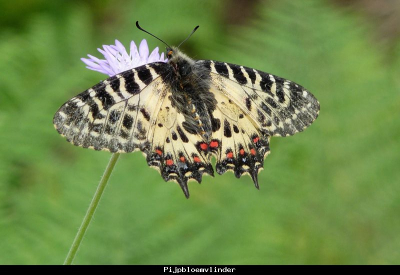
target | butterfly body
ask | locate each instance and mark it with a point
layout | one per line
(190, 86)
(183, 112)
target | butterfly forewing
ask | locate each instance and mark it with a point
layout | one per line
(276, 105)
(116, 114)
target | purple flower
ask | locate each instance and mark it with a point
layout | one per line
(118, 60)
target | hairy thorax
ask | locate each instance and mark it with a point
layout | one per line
(190, 94)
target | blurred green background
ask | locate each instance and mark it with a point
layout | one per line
(330, 195)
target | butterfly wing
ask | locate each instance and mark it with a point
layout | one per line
(252, 107)
(175, 152)
(133, 111)
(114, 115)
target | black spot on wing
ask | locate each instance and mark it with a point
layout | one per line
(279, 89)
(238, 74)
(108, 130)
(130, 85)
(266, 83)
(215, 124)
(145, 114)
(182, 134)
(221, 68)
(248, 103)
(128, 121)
(140, 134)
(252, 74)
(261, 117)
(84, 96)
(227, 129)
(94, 110)
(272, 103)
(105, 98)
(124, 134)
(144, 75)
(114, 116)
(114, 82)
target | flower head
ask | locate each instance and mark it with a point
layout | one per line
(118, 60)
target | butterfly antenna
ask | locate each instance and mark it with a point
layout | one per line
(140, 28)
(195, 29)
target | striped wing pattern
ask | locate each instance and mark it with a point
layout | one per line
(117, 114)
(276, 105)
(133, 111)
(252, 107)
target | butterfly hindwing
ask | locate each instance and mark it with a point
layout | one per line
(175, 152)
(238, 144)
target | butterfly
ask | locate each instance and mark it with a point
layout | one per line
(183, 112)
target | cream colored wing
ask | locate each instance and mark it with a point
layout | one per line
(177, 154)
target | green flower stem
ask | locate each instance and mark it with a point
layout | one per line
(92, 208)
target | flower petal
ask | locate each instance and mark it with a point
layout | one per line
(111, 59)
(134, 54)
(117, 59)
(162, 58)
(143, 51)
(121, 49)
(154, 56)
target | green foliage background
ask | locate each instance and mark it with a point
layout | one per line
(330, 195)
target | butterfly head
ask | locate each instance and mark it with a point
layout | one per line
(181, 63)
(170, 52)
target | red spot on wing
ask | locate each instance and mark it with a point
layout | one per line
(169, 162)
(196, 159)
(253, 152)
(229, 155)
(203, 146)
(241, 152)
(256, 139)
(159, 152)
(214, 144)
